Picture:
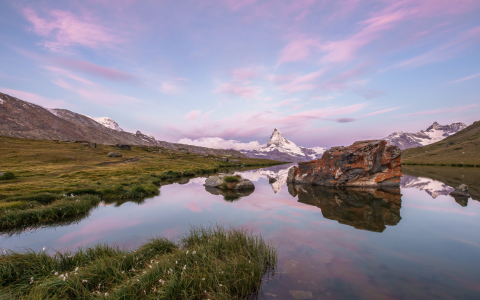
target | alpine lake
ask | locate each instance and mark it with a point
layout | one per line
(416, 242)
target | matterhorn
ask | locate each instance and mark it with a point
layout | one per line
(279, 148)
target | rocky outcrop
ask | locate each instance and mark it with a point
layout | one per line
(123, 147)
(365, 163)
(362, 208)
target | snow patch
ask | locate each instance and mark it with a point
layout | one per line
(107, 122)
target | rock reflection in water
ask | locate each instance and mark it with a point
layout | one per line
(230, 195)
(362, 208)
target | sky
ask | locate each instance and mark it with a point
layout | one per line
(225, 73)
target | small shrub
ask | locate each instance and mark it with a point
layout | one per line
(7, 176)
(229, 179)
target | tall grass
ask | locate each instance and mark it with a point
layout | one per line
(207, 263)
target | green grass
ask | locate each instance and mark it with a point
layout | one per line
(229, 179)
(7, 176)
(207, 263)
(46, 170)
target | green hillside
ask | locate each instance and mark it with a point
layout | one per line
(459, 149)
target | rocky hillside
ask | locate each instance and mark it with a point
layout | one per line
(23, 119)
(279, 148)
(461, 148)
(432, 134)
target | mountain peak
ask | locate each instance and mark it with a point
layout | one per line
(277, 139)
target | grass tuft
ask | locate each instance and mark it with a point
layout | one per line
(7, 176)
(207, 263)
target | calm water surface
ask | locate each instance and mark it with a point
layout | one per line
(412, 243)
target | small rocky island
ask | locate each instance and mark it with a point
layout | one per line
(365, 163)
(225, 181)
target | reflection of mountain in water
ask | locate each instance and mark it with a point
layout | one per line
(279, 173)
(230, 195)
(362, 208)
(433, 187)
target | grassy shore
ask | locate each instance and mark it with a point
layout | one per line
(207, 263)
(55, 180)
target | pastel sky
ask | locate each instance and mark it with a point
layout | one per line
(325, 73)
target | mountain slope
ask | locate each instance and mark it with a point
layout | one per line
(434, 133)
(23, 119)
(461, 148)
(279, 148)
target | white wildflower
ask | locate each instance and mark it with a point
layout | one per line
(76, 269)
(194, 252)
(84, 281)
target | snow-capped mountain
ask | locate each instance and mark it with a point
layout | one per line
(107, 122)
(278, 173)
(433, 134)
(432, 187)
(279, 148)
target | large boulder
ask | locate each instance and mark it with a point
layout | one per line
(365, 163)
(214, 181)
(244, 184)
(114, 154)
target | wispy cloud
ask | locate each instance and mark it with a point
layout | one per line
(193, 115)
(93, 69)
(465, 78)
(379, 112)
(63, 29)
(441, 111)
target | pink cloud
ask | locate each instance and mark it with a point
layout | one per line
(302, 83)
(193, 115)
(298, 50)
(379, 112)
(247, 73)
(63, 72)
(441, 111)
(93, 69)
(234, 89)
(97, 95)
(63, 29)
(256, 124)
(466, 78)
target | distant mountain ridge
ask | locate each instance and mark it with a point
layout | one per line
(279, 148)
(432, 134)
(22, 119)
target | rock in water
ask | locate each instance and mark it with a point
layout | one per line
(365, 163)
(460, 191)
(214, 181)
(114, 154)
(244, 184)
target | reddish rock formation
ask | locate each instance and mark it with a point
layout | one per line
(365, 163)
